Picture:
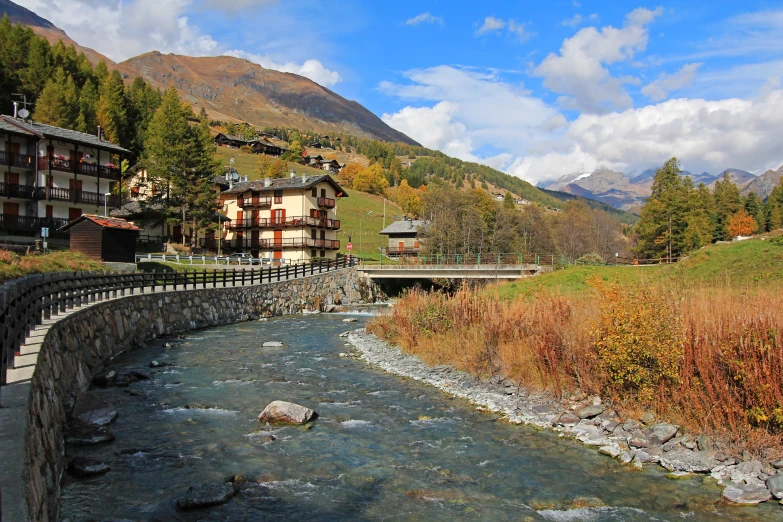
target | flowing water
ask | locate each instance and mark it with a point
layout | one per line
(384, 448)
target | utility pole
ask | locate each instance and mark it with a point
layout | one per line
(361, 254)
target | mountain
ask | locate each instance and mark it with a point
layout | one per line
(764, 184)
(45, 28)
(233, 88)
(739, 177)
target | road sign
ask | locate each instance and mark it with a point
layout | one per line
(349, 246)
(44, 231)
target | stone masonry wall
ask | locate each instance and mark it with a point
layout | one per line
(77, 347)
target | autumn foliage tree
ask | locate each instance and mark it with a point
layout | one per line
(371, 180)
(409, 199)
(742, 224)
(347, 173)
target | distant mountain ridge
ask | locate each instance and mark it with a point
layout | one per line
(235, 89)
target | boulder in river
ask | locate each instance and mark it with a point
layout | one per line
(775, 486)
(272, 344)
(662, 433)
(87, 467)
(91, 410)
(591, 411)
(745, 494)
(639, 440)
(87, 434)
(140, 375)
(350, 320)
(691, 461)
(157, 364)
(566, 419)
(286, 412)
(204, 495)
(104, 379)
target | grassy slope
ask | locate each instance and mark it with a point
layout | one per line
(245, 163)
(350, 209)
(12, 265)
(747, 264)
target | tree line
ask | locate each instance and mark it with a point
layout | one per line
(679, 217)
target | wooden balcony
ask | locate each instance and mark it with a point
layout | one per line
(78, 196)
(272, 244)
(30, 223)
(11, 190)
(87, 169)
(297, 221)
(257, 202)
(326, 202)
(20, 161)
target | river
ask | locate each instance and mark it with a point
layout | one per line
(383, 448)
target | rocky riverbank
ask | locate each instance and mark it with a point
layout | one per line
(647, 441)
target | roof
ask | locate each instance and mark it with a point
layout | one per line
(403, 227)
(135, 210)
(297, 182)
(103, 221)
(12, 124)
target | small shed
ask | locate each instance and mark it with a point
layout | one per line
(403, 237)
(104, 238)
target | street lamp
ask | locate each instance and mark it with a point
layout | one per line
(361, 254)
(105, 202)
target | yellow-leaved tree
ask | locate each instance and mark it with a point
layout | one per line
(409, 199)
(371, 180)
(347, 173)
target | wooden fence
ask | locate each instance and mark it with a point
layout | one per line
(28, 301)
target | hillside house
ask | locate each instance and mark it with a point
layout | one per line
(292, 218)
(332, 166)
(258, 146)
(52, 176)
(404, 237)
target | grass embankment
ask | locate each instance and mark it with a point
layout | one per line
(245, 163)
(700, 342)
(13, 265)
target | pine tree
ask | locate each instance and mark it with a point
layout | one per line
(755, 208)
(87, 120)
(58, 104)
(111, 113)
(727, 202)
(39, 68)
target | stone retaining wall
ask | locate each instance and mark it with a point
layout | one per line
(77, 346)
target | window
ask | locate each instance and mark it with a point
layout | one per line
(312, 253)
(74, 213)
(323, 253)
(314, 192)
(134, 192)
(323, 193)
(49, 211)
(278, 196)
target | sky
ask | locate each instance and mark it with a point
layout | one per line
(536, 89)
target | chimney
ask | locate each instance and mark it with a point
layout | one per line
(246, 177)
(267, 182)
(16, 109)
(293, 173)
(304, 178)
(100, 133)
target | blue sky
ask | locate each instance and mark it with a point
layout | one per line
(538, 89)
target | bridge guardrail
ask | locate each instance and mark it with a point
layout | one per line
(502, 259)
(28, 301)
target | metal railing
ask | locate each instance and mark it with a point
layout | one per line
(21, 161)
(88, 169)
(12, 190)
(275, 222)
(486, 259)
(28, 301)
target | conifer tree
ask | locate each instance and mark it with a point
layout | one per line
(58, 104)
(727, 202)
(88, 101)
(111, 113)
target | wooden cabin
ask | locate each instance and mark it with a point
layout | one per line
(103, 238)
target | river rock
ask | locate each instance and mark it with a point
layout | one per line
(775, 486)
(745, 495)
(345, 333)
(104, 379)
(691, 461)
(661, 433)
(639, 440)
(87, 467)
(157, 364)
(350, 320)
(286, 412)
(704, 443)
(647, 418)
(612, 451)
(566, 419)
(591, 411)
(87, 434)
(92, 410)
(140, 375)
(211, 494)
(272, 344)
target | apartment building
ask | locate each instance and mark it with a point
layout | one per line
(292, 218)
(52, 176)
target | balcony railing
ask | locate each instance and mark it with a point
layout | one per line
(30, 223)
(22, 161)
(254, 202)
(87, 169)
(296, 221)
(11, 190)
(326, 202)
(79, 196)
(272, 244)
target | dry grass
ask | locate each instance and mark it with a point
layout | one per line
(14, 265)
(710, 359)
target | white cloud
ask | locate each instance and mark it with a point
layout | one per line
(235, 6)
(123, 29)
(492, 24)
(312, 69)
(660, 88)
(434, 128)
(424, 18)
(579, 71)
(705, 135)
(573, 21)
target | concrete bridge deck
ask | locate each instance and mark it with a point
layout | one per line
(483, 271)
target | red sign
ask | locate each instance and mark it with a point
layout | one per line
(349, 246)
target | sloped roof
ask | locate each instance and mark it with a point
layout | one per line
(296, 182)
(49, 131)
(103, 221)
(403, 227)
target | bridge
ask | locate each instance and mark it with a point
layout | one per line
(460, 266)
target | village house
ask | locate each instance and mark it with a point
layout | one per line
(403, 237)
(52, 176)
(332, 166)
(292, 218)
(315, 162)
(258, 146)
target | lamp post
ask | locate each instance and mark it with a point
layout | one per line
(361, 254)
(105, 204)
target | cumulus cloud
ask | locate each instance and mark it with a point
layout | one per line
(123, 29)
(312, 69)
(666, 83)
(424, 18)
(492, 24)
(705, 135)
(579, 71)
